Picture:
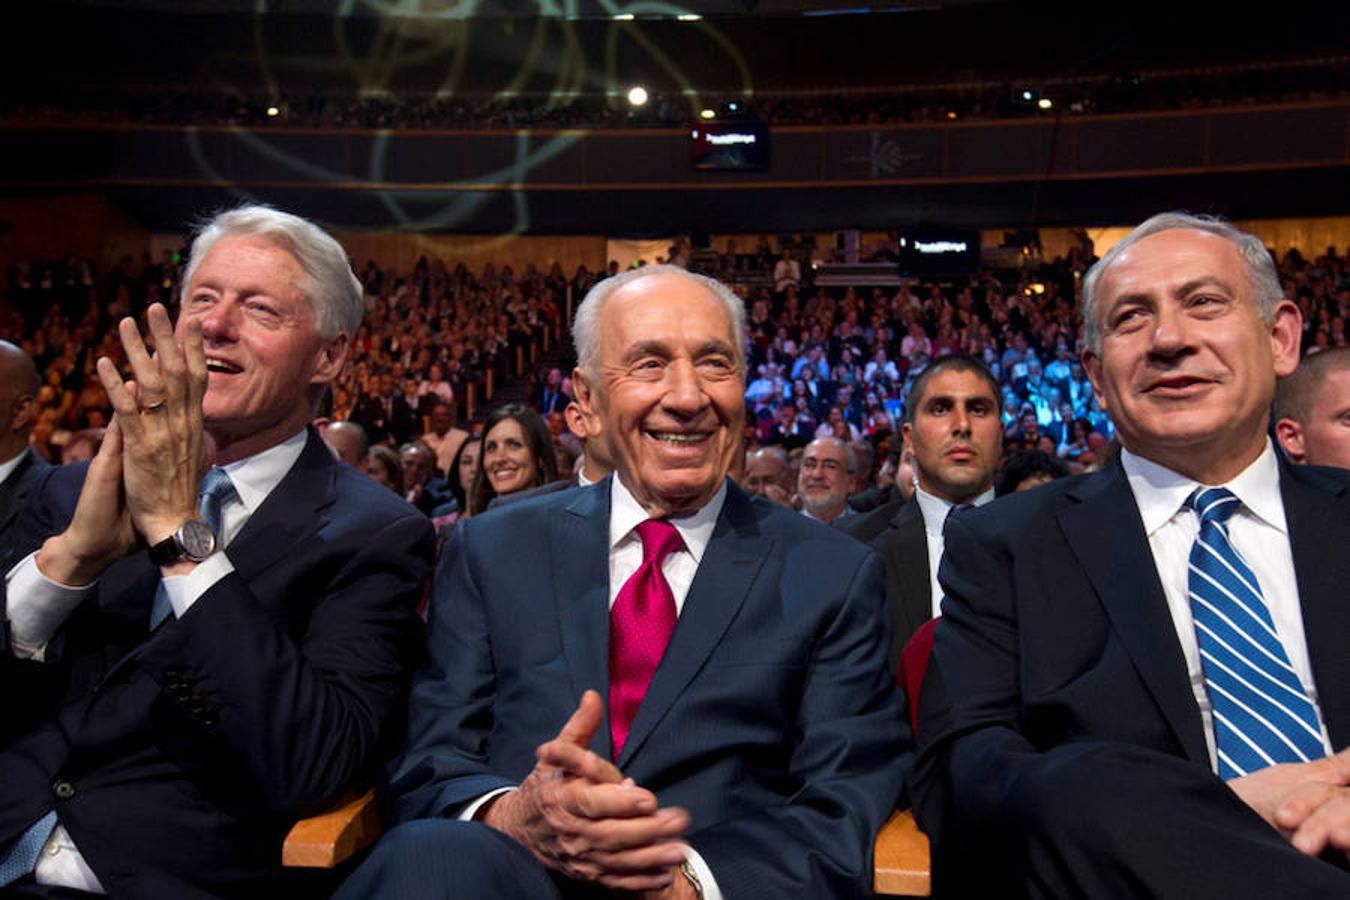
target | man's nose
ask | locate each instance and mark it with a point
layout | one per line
(960, 421)
(220, 322)
(1170, 335)
(684, 388)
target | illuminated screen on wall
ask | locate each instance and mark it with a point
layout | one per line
(730, 146)
(939, 252)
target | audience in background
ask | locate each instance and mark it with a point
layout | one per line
(517, 454)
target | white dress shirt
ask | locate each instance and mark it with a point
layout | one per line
(36, 607)
(935, 511)
(1257, 531)
(679, 567)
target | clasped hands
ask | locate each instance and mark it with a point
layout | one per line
(144, 481)
(580, 816)
(1309, 803)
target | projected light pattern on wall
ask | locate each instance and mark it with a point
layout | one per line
(539, 58)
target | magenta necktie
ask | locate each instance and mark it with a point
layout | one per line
(640, 625)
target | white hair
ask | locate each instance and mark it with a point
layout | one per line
(1265, 280)
(331, 288)
(586, 324)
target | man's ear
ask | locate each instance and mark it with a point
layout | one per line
(585, 394)
(1290, 435)
(1092, 367)
(24, 413)
(332, 356)
(1286, 335)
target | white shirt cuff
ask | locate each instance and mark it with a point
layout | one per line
(185, 590)
(36, 607)
(467, 813)
(705, 876)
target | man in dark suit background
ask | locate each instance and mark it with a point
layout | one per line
(954, 434)
(754, 741)
(170, 712)
(1140, 678)
(20, 467)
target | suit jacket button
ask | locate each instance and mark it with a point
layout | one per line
(63, 789)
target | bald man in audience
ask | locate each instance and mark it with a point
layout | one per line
(348, 442)
(1312, 410)
(768, 474)
(20, 467)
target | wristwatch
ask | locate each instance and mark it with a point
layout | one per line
(193, 540)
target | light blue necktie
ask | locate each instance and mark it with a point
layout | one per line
(217, 489)
(1262, 714)
(20, 859)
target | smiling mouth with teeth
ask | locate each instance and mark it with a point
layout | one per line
(218, 365)
(680, 438)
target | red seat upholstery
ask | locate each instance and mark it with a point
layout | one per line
(913, 663)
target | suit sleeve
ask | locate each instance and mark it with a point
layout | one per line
(445, 765)
(850, 758)
(304, 708)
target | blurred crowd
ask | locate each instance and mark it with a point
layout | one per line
(822, 361)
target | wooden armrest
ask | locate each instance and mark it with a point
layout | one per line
(330, 839)
(902, 863)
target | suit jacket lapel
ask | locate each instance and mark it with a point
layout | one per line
(15, 488)
(1105, 533)
(289, 514)
(1318, 519)
(730, 563)
(907, 558)
(580, 550)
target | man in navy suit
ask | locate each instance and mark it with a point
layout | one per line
(185, 675)
(1140, 682)
(20, 467)
(767, 746)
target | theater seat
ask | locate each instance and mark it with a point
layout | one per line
(903, 866)
(326, 841)
(329, 840)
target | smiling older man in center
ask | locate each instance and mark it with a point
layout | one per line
(719, 662)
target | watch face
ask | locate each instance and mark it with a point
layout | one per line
(197, 539)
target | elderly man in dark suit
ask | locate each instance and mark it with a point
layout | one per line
(191, 661)
(719, 661)
(1140, 682)
(20, 467)
(954, 435)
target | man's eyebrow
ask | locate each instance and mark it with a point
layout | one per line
(646, 348)
(708, 348)
(1183, 290)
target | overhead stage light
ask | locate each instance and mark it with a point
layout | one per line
(637, 96)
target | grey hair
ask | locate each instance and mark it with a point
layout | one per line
(850, 455)
(331, 288)
(586, 324)
(1265, 280)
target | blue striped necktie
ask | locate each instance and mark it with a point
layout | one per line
(1262, 714)
(216, 490)
(22, 856)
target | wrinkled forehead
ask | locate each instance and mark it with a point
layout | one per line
(662, 308)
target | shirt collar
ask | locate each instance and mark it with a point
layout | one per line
(256, 476)
(1159, 492)
(935, 509)
(7, 468)
(625, 514)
